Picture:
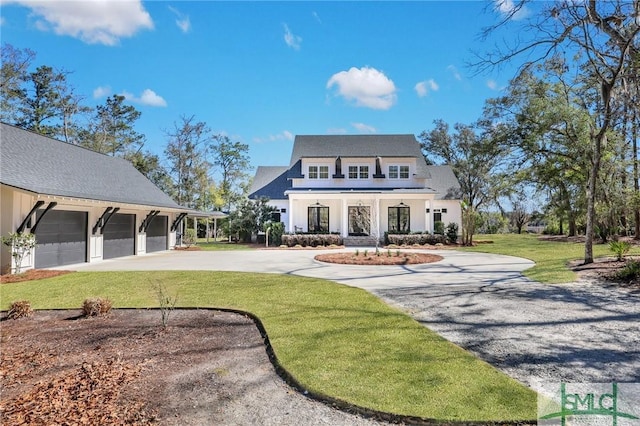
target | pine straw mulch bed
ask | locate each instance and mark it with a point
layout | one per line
(31, 274)
(603, 271)
(57, 367)
(382, 257)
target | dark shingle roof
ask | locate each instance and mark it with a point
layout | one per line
(323, 146)
(271, 182)
(444, 182)
(47, 166)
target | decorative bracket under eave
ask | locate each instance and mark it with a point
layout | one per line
(176, 222)
(49, 207)
(99, 224)
(147, 220)
(26, 223)
(108, 218)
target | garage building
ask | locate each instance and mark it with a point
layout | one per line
(81, 205)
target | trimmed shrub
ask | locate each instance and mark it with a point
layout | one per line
(95, 306)
(452, 232)
(275, 233)
(415, 239)
(438, 227)
(20, 309)
(311, 240)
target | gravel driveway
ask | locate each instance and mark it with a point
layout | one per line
(578, 332)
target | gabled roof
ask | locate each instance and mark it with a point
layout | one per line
(444, 182)
(43, 165)
(366, 146)
(271, 182)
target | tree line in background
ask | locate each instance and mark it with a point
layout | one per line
(567, 126)
(44, 101)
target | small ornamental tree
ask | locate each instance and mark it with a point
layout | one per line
(20, 244)
(452, 232)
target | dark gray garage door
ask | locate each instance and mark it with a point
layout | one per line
(61, 238)
(157, 234)
(119, 236)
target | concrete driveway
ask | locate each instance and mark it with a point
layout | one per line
(578, 332)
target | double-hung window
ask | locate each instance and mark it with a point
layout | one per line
(398, 172)
(358, 172)
(318, 172)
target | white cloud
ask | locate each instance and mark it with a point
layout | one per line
(291, 39)
(511, 10)
(94, 22)
(366, 87)
(492, 84)
(182, 21)
(364, 128)
(101, 92)
(315, 15)
(424, 87)
(147, 97)
(285, 135)
(454, 71)
(2, 21)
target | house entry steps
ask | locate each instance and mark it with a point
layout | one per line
(359, 241)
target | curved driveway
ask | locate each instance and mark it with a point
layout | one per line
(578, 332)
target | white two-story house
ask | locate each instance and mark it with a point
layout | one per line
(359, 185)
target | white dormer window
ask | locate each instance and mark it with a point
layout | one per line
(318, 172)
(358, 172)
(398, 172)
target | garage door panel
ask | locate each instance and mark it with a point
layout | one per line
(118, 248)
(157, 234)
(61, 238)
(119, 236)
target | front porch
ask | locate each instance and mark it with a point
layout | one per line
(368, 213)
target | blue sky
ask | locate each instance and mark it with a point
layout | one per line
(262, 72)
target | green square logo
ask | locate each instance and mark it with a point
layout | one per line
(589, 404)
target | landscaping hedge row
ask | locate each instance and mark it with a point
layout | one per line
(311, 240)
(411, 239)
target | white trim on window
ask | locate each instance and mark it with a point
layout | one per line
(399, 171)
(318, 172)
(358, 171)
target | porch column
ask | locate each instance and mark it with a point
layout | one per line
(376, 209)
(195, 227)
(428, 216)
(290, 229)
(344, 226)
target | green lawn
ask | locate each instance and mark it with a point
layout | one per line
(221, 245)
(551, 257)
(334, 339)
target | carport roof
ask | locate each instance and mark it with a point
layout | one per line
(43, 165)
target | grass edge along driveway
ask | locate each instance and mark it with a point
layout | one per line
(336, 340)
(550, 257)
